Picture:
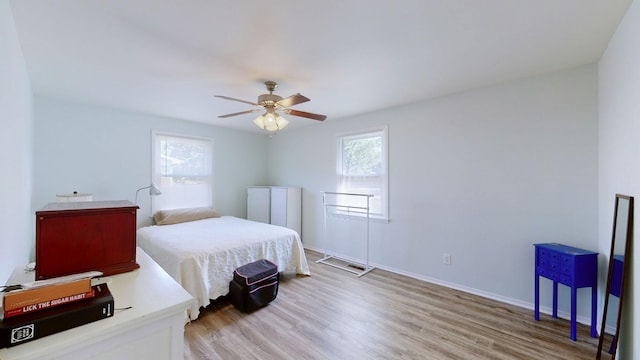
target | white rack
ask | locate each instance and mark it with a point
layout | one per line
(363, 268)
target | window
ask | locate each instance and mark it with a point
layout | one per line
(182, 169)
(362, 169)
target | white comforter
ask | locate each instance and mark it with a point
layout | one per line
(201, 255)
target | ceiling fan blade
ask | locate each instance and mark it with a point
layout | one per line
(292, 100)
(305, 114)
(240, 113)
(233, 99)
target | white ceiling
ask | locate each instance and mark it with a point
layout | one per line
(169, 57)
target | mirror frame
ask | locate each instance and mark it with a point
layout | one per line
(628, 234)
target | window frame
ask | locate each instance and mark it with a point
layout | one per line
(155, 138)
(383, 131)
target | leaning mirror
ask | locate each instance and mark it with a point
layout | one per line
(620, 247)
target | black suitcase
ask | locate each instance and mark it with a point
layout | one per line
(254, 285)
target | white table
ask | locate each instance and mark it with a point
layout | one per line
(153, 328)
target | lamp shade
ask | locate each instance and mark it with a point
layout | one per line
(153, 191)
(281, 122)
(259, 121)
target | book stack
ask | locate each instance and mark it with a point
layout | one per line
(37, 310)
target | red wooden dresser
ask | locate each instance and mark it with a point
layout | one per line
(74, 237)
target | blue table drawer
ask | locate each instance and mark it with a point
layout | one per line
(565, 279)
(554, 275)
(548, 273)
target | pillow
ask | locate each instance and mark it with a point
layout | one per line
(175, 216)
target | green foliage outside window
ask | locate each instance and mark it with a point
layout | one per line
(362, 156)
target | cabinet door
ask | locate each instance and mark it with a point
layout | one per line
(258, 204)
(279, 206)
(69, 242)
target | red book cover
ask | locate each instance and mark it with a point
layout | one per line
(48, 304)
(20, 298)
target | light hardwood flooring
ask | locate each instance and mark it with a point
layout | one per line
(333, 314)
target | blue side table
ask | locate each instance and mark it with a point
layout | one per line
(570, 266)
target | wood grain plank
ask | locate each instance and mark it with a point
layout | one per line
(333, 314)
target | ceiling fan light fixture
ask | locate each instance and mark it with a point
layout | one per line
(270, 121)
(259, 121)
(281, 122)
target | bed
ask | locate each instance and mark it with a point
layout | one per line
(202, 254)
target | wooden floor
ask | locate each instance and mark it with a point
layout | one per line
(333, 314)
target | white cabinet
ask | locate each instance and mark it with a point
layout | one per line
(259, 204)
(148, 324)
(277, 205)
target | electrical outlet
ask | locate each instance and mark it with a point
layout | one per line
(446, 259)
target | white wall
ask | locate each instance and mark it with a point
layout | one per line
(481, 175)
(15, 150)
(619, 136)
(107, 153)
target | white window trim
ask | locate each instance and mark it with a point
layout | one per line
(384, 218)
(155, 133)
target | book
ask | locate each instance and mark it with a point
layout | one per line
(29, 308)
(18, 299)
(21, 329)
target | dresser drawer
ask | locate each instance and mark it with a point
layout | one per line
(566, 269)
(548, 255)
(554, 275)
(566, 262)
(547, 273)
(561, 266)
(564, 279)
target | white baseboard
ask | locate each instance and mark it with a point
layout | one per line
(523, 304)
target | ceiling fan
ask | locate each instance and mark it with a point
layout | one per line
(272, 104)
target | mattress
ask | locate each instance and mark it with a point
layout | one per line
(201, 255)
